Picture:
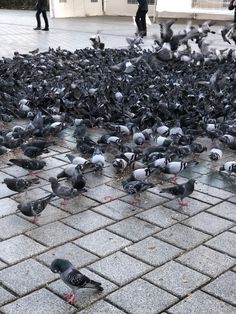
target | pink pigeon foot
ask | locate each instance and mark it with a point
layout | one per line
(108, 198)
(136, 200)
(35, 219)
(68, 294)
(181, 203)
(173, 179)
(71, 299)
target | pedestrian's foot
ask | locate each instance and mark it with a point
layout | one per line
(45, 29)
(37, 28)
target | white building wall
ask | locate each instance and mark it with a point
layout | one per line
(121, 7)
(175, 6)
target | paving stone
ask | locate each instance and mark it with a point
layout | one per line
(204, 188)
(212, 200)
(194, 206)
(60, 149)
(5, 296)
(225, 242)
(38, 302)
(207, 261)
(30, 195)
(46, 174)
(102, 242)
(54, 233)
(85, 297)
(153, 251)
(141, 297)
(233, 229)
(161, 216)
(182, 236)
(232, 200)
(94, 179)
(15, 249)
(117, 210)
(87, 221)
(24, 277)
(77, 204)
(223, 287)
(200, 302)
(148, 200)
(208, 223)
(120, 268)
(176, 278)
(101, 307)
(214, 179)
(133, 228)
(77, 256)
(15, 171)
(102, 192)
(225, 210)
(2, 265)
(13, 225)
(8, 206)
(52, 162)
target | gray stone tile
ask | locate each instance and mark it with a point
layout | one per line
(41, 301)
(176, 278)
(223, 287)
(212, 200)
(15, 171)
(141, 297)
(15, 249)
(133, 228)
(193, 207)
(147, 200)
(120, 268)
(52, 162)
(13, 225)
(204, 188)
(161, 216)
(85, 297)
(102, 242)
(101, 307)
(232, 200)
(2, 265)
(225, 209)
(60, 149)
(207, 261)
(208, 223)
(153, 251)
(77, 256)
(5, 296)
(104, 193)
(46, 174)
(72, 205)
(30, 195)
(8, 206)
(182, 236)
(233, 229)
(54, 233)
(87, 221)
(225, 242)
(94, 179)
(117, 210)
(200, 302)
(26, 276)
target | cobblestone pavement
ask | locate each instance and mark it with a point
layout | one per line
(154, 257)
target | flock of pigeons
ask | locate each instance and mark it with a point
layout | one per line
(154, 107)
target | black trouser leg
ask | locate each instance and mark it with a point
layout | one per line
(138, 19)
(38, 18)
(44, 12)
(143, 22)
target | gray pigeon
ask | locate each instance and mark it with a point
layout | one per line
(29, 164)
(62, 191)
(19, 184)
(136, 187)
(181, 191)
(73, 278)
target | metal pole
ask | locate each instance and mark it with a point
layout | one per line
(155, 15)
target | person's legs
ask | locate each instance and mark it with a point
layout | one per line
(138, 19)
(44, 12)
(143, 23)
(37, 15)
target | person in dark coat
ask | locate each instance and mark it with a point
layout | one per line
(140, 17)
(232, 6)
(41, 7)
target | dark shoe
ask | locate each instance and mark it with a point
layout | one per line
(37, 28)
(45, 29)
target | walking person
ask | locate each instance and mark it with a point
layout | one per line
(232, 6)
(140, 17)
(41, 7)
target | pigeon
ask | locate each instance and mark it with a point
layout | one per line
(77, 160)
(140, 174)
(174, 167)
(215, 154)
(181, 190)
(29, 164)
(136, 187)
(229, 167)
(78, 180)
(73, 278)
(35, 208)
(68, 171)
(32, 151)
(62, 191)
(19, 185)
(98, 160)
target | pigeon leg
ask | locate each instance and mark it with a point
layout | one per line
(136, 200)
(64, 202)
(182, 203)
(68, 294)
(173, 179)
(71, 299)
(31, 173)
(35, 219)
(108, 198)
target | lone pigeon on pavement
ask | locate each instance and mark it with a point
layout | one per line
(136, 187)
(19, 185)
(29, 164)
(62, 191)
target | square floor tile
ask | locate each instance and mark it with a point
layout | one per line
(8, 206)
(212, 200)
(103, 192)
(147, 200)
(193, 207)
(77, 204)
(207, 189)
(120, 268)
(102, 307)
(176, 278)
(54, 233)
(30, 195)
(153, 251)
(161, 216)
(225, 209)
(133, 228)
(13, 225)
(208, 223)
(52, 162)
(41, 301)
(94, 179)
(207, 261)
(182, 236)
(26, 276)
(200, 302)
(5, 296)
(87, 221)
(77, 256)
(223, 287)
(15, 249)
(225, 242)
(141, 297)
(102, 242)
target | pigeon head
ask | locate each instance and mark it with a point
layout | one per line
(52, 180)
(60, 265)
